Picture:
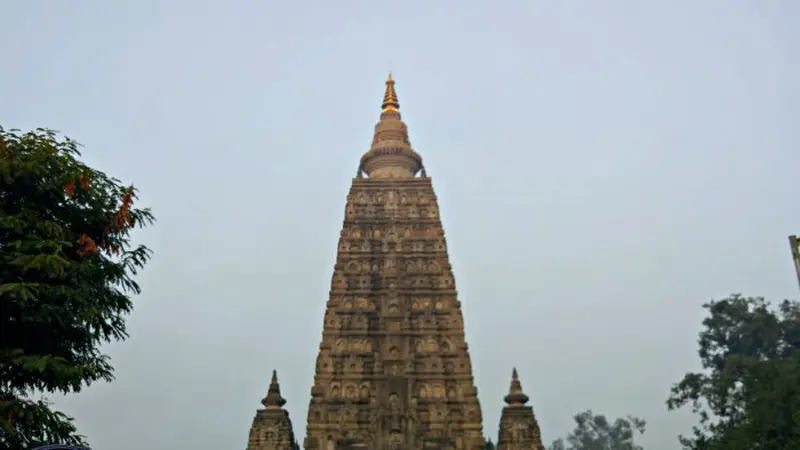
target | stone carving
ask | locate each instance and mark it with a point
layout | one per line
(451, 393)
(421, 303)
(350, 391)
(396, 439)
(431, 345)
(354, 345)
(389, 267)
(394, 401)
(361, 303)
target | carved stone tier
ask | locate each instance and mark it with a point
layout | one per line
(393, 370)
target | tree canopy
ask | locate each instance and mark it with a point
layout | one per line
(595, 432)
(66, 279)
(748, 395)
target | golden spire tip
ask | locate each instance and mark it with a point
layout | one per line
(390, 102)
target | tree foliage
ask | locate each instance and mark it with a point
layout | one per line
(66, 280)
(748, 395)
(596, 432)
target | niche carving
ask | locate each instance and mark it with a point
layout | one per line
(423, 391)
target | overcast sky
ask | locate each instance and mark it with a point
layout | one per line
(603, 168)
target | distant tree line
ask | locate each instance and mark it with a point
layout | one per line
(747, 397)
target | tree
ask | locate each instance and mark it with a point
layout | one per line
(596, 432)
(748, 394)
(66, 280)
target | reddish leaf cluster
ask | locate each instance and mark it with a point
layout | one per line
(122, 219)
(86, 245)
(70, 186)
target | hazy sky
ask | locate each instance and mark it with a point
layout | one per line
(603, 168)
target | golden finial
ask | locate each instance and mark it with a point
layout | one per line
(390, 102)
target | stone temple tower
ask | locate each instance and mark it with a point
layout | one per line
(393, 369)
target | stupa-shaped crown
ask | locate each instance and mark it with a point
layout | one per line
(274, 400)
(391, 155)
(515, 395)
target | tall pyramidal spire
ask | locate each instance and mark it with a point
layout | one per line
(393, 369)
(518, 426)
(390, 155)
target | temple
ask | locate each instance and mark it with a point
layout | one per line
(393, 370)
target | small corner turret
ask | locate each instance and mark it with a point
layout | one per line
(519, 429)
(272, 427)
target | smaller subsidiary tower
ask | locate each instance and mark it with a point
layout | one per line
(272, 428)
(519, 429)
